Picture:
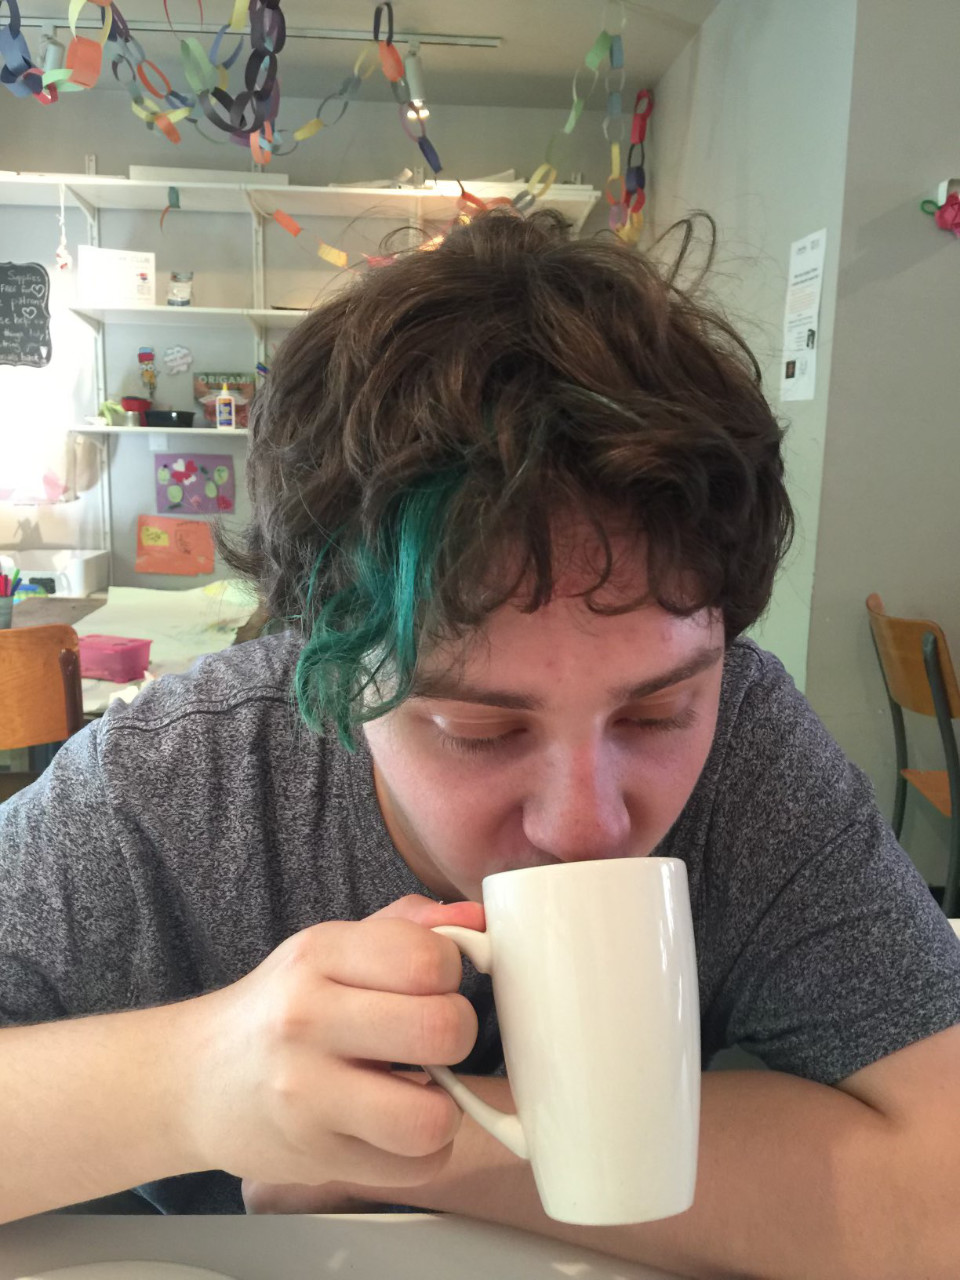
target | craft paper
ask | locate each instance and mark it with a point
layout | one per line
(194, 483)
(168, 545)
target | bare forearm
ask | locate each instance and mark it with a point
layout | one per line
(794, 1180)
(88, 1107)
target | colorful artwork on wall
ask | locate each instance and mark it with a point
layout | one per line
(195, 483)
(168, 545)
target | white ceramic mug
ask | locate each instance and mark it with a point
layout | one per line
(595, 981)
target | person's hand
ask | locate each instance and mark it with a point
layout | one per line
(287, 1072)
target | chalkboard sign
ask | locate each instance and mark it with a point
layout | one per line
(24, 314)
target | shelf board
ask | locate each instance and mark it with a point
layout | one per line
(164, 315)
(193, 317)
(276, 318)
(91, 430)
(433, 201)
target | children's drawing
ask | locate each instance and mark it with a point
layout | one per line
(195, 483)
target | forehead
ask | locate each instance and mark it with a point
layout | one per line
(564, 646)
(573, 637)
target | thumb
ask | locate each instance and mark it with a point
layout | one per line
(425, 911)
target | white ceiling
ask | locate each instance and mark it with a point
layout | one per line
(543, 42)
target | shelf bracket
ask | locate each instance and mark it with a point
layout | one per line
(97, 327)
(258, 260)
(91, 212)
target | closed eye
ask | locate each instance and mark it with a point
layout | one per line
(684, 720)
(476, 746)
(496, 742)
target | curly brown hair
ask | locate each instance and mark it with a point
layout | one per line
(446, 409)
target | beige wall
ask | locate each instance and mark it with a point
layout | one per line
(890, 508)
(751, 125)
(367, 143)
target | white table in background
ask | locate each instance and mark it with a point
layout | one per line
(216, 611)
(307, 1247)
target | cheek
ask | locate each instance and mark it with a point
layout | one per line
(451, 802)
(465, 802)
(661, 779)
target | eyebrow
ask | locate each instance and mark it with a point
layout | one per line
(443, 685)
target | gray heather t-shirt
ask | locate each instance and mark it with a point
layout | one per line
(172, 845)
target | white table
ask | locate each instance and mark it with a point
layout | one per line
(307, 1247)
(184, 625)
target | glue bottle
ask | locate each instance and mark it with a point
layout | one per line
(226, 409)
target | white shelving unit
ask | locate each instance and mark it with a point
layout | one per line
(432, 205)
(194, 317)
(94, 430)
(434, 201)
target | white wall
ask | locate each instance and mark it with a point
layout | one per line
(751, 126)
(890, 514)
(35, 404)
(367, 143)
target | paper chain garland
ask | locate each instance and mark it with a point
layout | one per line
(248, 117)
(625, 193)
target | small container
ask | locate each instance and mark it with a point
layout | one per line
(180, 289)
(62, 571)
(226, 409)
(6, 612)
(169, 417)
(138, 405)
(114, 658)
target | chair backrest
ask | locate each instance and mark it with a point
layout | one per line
(40, 693)
(900, 646)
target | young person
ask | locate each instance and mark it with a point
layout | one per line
(515, 502)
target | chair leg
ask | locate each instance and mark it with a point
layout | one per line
(941, 706)
(899, 804)
(951, 893)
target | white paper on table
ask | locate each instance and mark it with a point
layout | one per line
(183, 625)
(801, 318)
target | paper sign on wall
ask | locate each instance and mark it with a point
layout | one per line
(114, 277)
(194, 483)
(168, 545)
(801, 318)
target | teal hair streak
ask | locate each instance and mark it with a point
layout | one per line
(369, 630)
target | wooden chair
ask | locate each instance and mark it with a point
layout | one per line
(40, 694)
(919, 675)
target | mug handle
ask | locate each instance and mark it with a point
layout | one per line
(499, 1124)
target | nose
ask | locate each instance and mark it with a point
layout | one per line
(576, 809)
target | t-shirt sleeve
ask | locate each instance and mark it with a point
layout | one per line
(68, 911)
(828, 950)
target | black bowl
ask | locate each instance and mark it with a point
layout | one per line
(169, 417)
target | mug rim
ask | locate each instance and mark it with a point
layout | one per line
(583, 866)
